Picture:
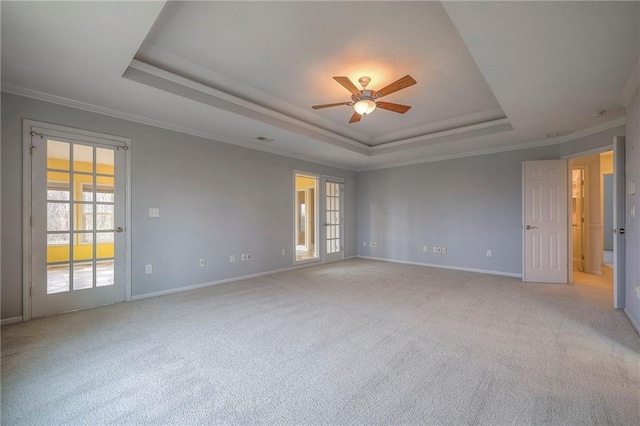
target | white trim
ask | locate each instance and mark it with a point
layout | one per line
(631, 85)
(632, 321)
(225, 281)
(66, 132)
(59, 100)
(434, 265)
(12, 320)
(527, 145)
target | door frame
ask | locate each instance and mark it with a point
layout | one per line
(79, 135)
(571, 157)
(319, 258)
(586, 225)
(334, 179)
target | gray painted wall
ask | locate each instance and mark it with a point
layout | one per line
(215, 199)
(468, 205)
(632, 302)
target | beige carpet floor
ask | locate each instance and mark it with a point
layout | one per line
(358, 342)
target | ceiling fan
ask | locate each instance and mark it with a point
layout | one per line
(365, 101)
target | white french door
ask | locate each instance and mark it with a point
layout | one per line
(77, 223)
(545, 219)
(333, 221)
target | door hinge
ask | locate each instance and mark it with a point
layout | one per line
(30, 291)
(30, 220)
(582, 219)
(582, 257)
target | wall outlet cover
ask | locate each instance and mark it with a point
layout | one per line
(154, 212)
(148, 269)
(444, 250)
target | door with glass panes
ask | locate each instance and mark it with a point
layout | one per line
(77, 225)
(333, 224)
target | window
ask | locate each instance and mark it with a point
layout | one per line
(58, 214)
(104, 213)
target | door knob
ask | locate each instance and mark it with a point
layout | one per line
(119, 229)
(621, 231)
(530, 227)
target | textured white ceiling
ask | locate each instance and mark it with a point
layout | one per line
(543, 65)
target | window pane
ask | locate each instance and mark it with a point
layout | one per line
(105, 244)
(105, 273)
(58, 155)
(82, 275)
(57, 278)
(104, 217)
(58, 186)
(84, 217)
(82, 158)
(53, 239)
(83, 251)
(104, 158)
(58, 216)
(58, 252)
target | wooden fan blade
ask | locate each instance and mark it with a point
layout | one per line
(347, 84)
(404, 82)
(355, 118)
(393, 107)
(330, 105)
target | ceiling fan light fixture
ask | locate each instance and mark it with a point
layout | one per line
(364, 106)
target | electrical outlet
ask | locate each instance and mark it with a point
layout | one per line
(148, 269)
(435, 249)
(638, 291)
(444, 250)
(232, 258)
(243, 257)
(489, 253)
(283, 252)
(248, 256)
(154, 212)
(202, 263)
(424, 249)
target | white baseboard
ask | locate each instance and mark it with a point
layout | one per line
(350, 257)
(632, 321)
(225, 281)
(8, 321)
(455, 268)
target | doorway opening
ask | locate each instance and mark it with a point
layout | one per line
(306, 214)
(592, 219)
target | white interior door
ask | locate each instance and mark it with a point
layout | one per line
(619, 211)
(545, 219)
(333, 220)
(78, 224)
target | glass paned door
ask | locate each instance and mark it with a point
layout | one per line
(78, 217)
(333, 226)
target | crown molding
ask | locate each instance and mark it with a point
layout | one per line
(59, 100)
(631, 85)
(515, 147)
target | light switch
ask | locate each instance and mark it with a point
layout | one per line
(155, 212)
